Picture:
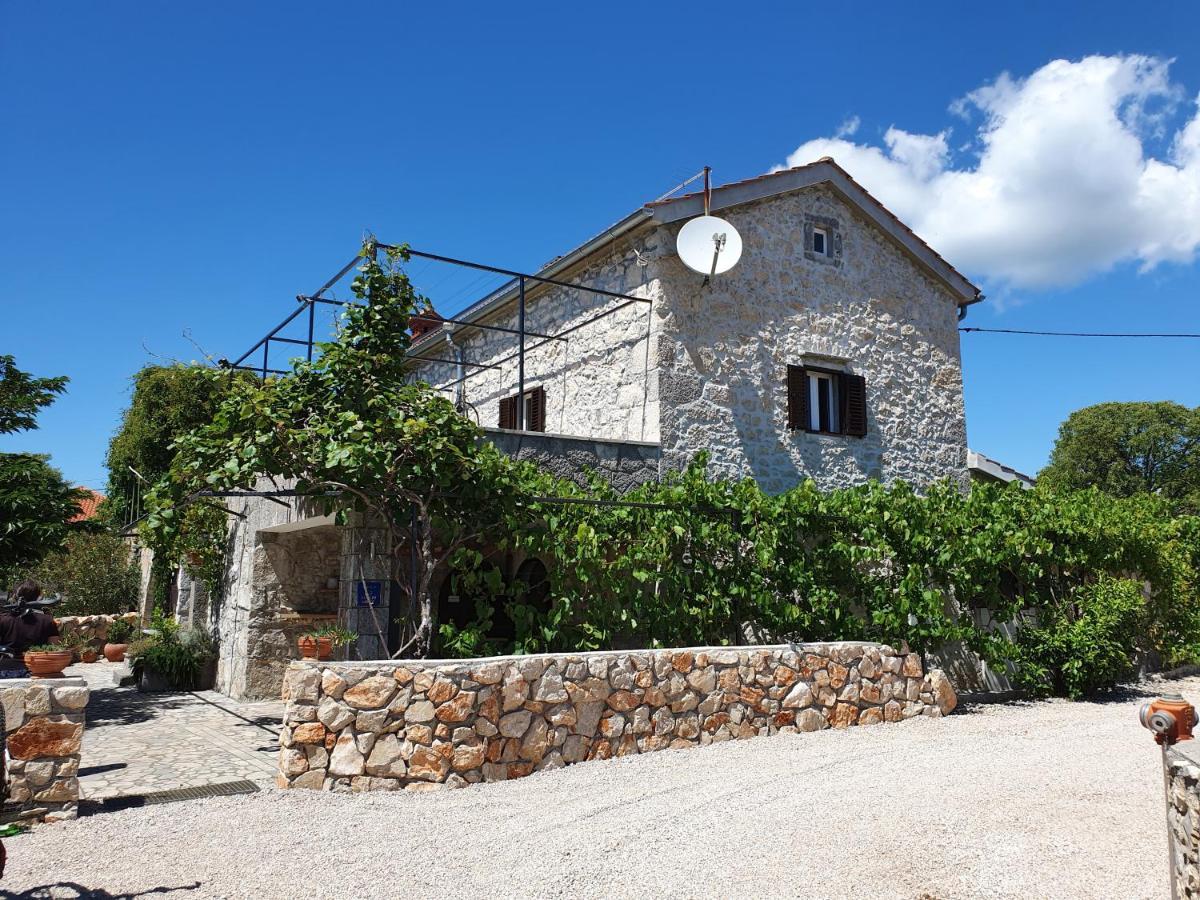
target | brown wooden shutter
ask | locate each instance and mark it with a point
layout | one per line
(797, 397)
(854, 405)
(508, 412)
(537, 409)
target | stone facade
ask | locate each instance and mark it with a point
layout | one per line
(598, 380)
(281, 580)
(703, 367)
(43, 720)
(1182, 762)
(421, 725)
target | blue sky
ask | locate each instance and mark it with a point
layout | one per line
(171, 167)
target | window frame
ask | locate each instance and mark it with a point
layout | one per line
(848, 409)
(834, 376)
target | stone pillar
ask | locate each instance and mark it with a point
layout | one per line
(44, 724)
(366, 558)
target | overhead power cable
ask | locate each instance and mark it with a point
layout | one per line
(1099, 334)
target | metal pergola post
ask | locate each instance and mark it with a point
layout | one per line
(521, 353)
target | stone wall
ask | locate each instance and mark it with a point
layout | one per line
(423, 724)
(44, 724)
(723, 353)
(93, 628)
(252, 621)
(596, 381)
(625, 465)
(1182, 763)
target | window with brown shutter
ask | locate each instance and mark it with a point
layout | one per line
(535, 410)
(508, 412)
(797, 397)
(826, 401)
(854, 394)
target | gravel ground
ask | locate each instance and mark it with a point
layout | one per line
(1050, 799)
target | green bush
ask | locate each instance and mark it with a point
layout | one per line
(120, 631)
(1088, 644)
(722, 562)
(95, 574)
(178, 655)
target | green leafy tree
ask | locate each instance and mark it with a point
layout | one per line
(93, 572)
(36, 504)
(167, 402)
(36, 508)
(22, 396)
(1129, 448)
(349, 430)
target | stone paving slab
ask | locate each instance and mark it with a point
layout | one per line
(137, 743)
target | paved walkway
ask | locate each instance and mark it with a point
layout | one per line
(137, 743)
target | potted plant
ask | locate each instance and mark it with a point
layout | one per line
(320, 642)
(171, 659)
(47, 660)
(119, 633)
(79, 646)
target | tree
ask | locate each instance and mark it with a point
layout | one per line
(36, 504)
(36, 508)
(351, 431)
(93, 572)
(1129, 448)
(167, 402)
(22, 396)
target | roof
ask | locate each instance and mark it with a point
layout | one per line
(987, 468)
(88, 505)
(687, 206)
(827, 170)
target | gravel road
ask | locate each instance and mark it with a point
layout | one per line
(1050, 799)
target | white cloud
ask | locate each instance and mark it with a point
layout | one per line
(848, 128)
(1062, 182)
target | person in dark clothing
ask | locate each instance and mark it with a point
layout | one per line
(25, 628)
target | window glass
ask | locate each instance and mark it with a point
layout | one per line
(822, 402)
(819, 240)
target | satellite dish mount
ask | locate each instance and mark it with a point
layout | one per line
(708, 244)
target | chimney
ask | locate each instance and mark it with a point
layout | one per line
(424, 322)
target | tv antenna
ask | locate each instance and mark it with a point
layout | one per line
(709, 244)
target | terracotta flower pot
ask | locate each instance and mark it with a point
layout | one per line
(315, 648)
(90, 655)
(47, 663)
(115, 652)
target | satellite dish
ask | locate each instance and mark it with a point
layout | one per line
(709, 245)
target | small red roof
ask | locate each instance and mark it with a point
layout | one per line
(88, 505)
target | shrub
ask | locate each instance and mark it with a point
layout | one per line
(1086, 645)
(120, 631)
(178, 655)
(94, 573)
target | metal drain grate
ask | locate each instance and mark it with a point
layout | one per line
(130, 801)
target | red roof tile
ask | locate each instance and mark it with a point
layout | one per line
(88, 506)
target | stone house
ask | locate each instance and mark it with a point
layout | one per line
(831, 352)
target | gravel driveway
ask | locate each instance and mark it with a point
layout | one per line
(1050, 799)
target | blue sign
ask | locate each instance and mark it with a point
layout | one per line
(368, 593)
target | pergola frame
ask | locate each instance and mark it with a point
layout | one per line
(309, 303)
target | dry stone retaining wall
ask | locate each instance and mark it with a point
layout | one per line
(93, 628)
(44, 724)
(424, 724)
(1182, 763)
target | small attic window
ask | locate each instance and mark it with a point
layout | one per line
(823, 240)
